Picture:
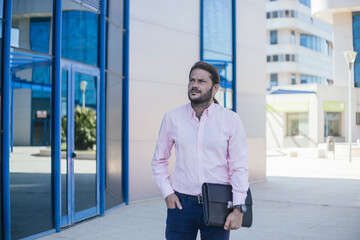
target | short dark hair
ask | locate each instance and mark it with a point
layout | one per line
(214, 74)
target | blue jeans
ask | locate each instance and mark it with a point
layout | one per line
(184, 224)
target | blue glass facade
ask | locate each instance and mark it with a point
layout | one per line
(356, 42)
(1, 88)
(52, 91)
(305, 79)
(273, 37)
(315, 43)
(306, 3)
(218, 48)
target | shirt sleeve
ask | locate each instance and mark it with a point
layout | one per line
(238, 161)
(160, 161)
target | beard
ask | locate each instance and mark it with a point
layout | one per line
(204, 98)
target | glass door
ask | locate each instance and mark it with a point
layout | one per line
(79, 140)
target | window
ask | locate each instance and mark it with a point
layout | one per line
(268, 15)
(293, 57)
(217, 47)
(305, 79)
(281, 13)
(315, 43)
(274, 14)
(268, 58)
(358, 118)
(273, 79)
(275, 58)
(297, 124)
(356, 43)
(306, 2)
(287, 13)
(287, 57)
(332, 125)
(293, 79)
(32, 38)
(273, 37)
(80, 34)
(293, 41)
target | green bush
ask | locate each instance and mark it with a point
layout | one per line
(85, 128)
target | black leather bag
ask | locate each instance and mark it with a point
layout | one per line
(217, 204)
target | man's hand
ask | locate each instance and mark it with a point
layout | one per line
(234, 220)
(172, 201)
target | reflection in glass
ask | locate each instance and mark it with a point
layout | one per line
(80, 33)
(114, 84)
(217, 48)
(30, 160)
(1, 80)
(356, 44)
(1, 8)
(64, 134)
(332, 124)
(28, 30)
(113, 168)
(85, 142)
(114, 56)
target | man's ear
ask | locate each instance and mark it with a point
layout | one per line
(215, 89)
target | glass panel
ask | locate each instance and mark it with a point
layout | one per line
(1, 117)
(273, 37)
(332, 124)
(80, 33)
(30, 161)
(64, 138)
(297, 124)
(114, 52)
(217, 32)
(217, 49)
(29, 31)
(85, 142)
(1, 8)
(115, 11)
(113, 174)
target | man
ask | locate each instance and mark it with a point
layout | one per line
(210, 146)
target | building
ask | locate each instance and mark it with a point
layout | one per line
(299, 47)
(304, 116)
(85, 84)
(344, 15)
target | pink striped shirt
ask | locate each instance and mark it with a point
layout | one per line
(212, 149)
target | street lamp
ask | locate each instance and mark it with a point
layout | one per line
(83, 89)
(350, 59)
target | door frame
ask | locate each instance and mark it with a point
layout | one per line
(74, 67)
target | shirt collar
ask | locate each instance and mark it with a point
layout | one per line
(208, 111)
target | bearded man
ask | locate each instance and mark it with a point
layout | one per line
(210, 146)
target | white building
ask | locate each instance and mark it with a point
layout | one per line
(304, 115)
(299, 47)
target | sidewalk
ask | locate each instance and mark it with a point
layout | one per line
(303, 198)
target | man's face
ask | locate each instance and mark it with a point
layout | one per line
(200, 87)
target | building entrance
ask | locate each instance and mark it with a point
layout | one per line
(79, 142)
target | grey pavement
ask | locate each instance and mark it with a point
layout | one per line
(302, 198)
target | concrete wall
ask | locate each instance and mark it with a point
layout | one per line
(164, 44)
(251, 80)
(342, 42)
